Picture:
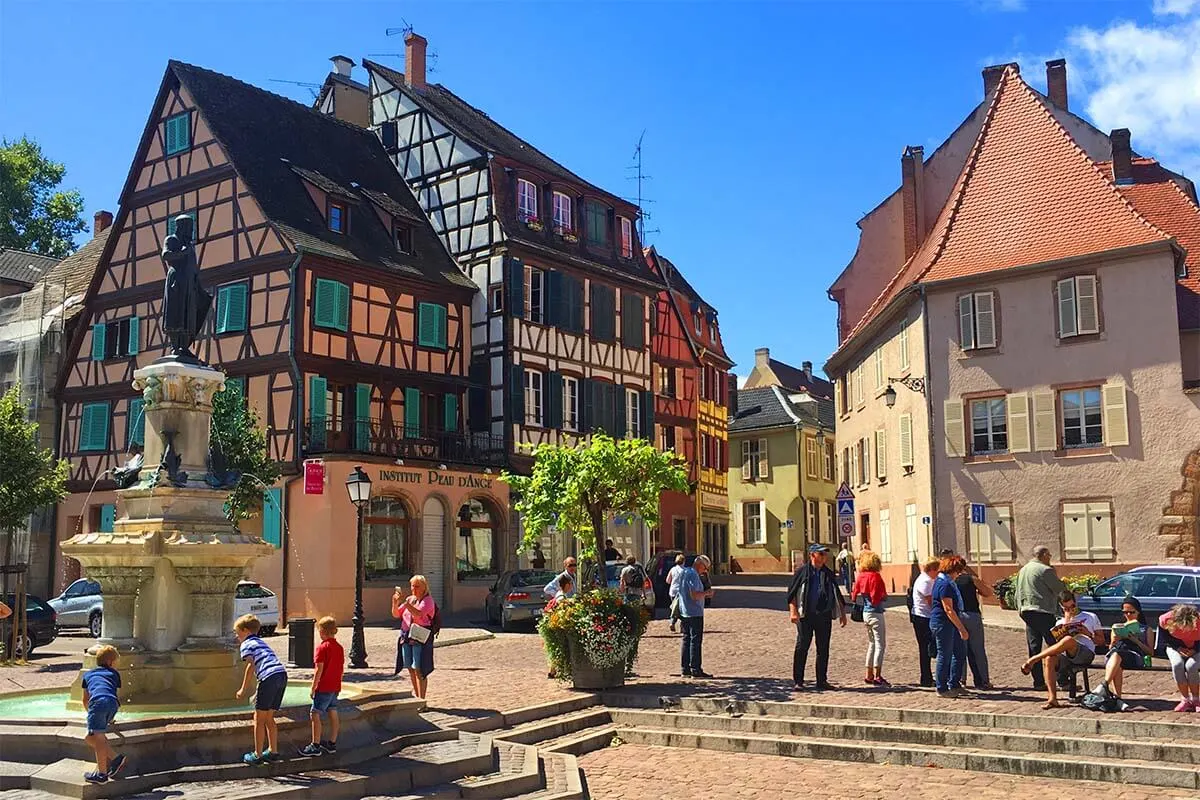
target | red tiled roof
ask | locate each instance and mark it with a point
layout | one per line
(1027, 194)
(1161, 201)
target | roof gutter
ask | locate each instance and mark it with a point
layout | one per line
(930, 424)
(848, 349)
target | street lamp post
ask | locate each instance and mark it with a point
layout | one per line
(358, 484)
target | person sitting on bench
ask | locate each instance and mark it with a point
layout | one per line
(1077, 634)
(1179, 630)
(1130, 648)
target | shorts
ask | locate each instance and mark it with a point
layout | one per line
(410, 655)
(100, 713)
(324, 702)
(270, 692)
(1082, 658)
(1130, 659)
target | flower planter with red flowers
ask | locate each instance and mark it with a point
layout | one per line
(589, 638)
(534, 224)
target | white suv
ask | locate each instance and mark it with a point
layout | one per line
(253, 598)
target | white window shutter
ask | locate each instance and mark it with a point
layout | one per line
(966, 323)
(854, 464)
(881, 454)
(879, 367)
(746, 461)
(904, 347)
(906, 443)
(1017, 405)
(1075, 531)
(762, 521)
(1100, 530)
(1116, 419)
(1066, 308)
(952, 411)
(985, 319)
(1045, 424)
(764, 469)
(837, 396)
(1000, 522)
(739, 526)
(1087, 301)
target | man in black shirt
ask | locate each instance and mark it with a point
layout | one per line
(814, 599)
(611, 553)
(971, 587)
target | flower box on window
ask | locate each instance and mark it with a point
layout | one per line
(568, 236)
(534, 224)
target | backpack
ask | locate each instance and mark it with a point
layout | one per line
(1101, 699)
(638, 579)
(435, 625)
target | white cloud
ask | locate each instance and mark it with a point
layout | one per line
(1181, 7)
(742, 381)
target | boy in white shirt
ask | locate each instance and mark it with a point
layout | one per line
(1078, 633)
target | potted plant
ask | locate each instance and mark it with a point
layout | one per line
(534, 224)
(589, 638)
(1005, 587)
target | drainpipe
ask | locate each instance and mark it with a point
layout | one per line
(297, 432)
(929, 417)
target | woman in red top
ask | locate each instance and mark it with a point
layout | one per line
(869, 586)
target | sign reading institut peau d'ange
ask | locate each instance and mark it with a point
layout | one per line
(435, 477)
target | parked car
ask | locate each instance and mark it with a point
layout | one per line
(612, 578)
(80, 606)
(253, 598)
(1156, 588)
(660, 566)
(42, 621)
(517, 596)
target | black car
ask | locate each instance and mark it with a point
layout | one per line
(43, 625)
(660, 566)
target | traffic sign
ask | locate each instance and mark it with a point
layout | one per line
(926, 520)
(978, 514)
(845, 508)
(844, 493)
(789, 523)
(847, 529)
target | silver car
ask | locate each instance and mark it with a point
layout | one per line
(80, 606)
(517, 596)
(612, 575)
(1158, 589)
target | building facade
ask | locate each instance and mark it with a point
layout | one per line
(782, 483)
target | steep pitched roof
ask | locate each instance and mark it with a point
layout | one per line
(19, 266)
(276, 143)
(792, 379)
(74, 273)
(1027, 194)
(679, 288)
(771, 407)
(1158, 196)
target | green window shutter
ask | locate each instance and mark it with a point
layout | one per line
(597, 224)
(135, 424)
(554, 400)
(551, 297)
(362, 416)
(412, 412)
(135, 324)
(516, 394)
(442, 326)
(604, 321)
(108, 515)
(633, 319)
(431, 325)
(272, 527)
(450, 402)
(617, 409)
(93, 427)
(514, 287)
(98, 341)
(648, 417)
(316, 411)
(343, 307)
(231, 308)
(331, 305)
(179, 133)
(587, 405)
(236, 388)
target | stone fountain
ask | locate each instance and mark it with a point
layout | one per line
(171, 564)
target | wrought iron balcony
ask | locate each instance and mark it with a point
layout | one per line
(373, 437)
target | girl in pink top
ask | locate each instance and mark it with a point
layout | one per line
(1181, 629)
(416, 609)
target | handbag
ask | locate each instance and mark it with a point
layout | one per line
(856, 612)
(419, 633)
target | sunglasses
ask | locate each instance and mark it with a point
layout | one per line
(1130, 613)
(1068, 606)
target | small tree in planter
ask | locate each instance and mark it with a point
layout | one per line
(588, 639)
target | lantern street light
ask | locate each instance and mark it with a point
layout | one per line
(358, 484)
(915, 384)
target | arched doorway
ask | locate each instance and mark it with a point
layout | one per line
(433, 547)
(477, 545)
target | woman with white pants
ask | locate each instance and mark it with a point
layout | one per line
(869, 585)
(1181, 628)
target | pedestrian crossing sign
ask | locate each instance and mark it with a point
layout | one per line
(845, 508)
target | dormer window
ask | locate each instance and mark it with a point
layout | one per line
(403, 237)
(527, 201)
(562, 213)
(338, 216)
(597, 224)
(626, 238)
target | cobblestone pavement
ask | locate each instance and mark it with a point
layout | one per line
(710, 774)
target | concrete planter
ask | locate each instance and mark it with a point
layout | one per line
(585, 675)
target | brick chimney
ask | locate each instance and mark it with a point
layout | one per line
(342, 65)
(912, 170)
(992, 74)
(1122, 156)
(1056, 82)
(806, 366)
(761, 358)
(101, 221)
(414, 60)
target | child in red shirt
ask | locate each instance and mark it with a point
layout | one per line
(330, 660)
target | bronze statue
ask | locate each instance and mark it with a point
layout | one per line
(185, 301)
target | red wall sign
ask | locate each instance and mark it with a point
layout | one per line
(314, 477)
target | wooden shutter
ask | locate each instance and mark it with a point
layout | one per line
(93, 427)
(412, 413)
(603, 313)
(1066, 308)
(477, 396)
(575, 289)
(231, 314)
(441, 328)
(1017, 406)
(1087, 303)
(838, 400)
(98, 333)
(985, 319)
(966, 322)
(516, 394)
(450, 412)
(554, 401)
(273, 517)
(427, 334)
(325, 302)
(952, 412)
(1100, 530)
(1045, 426)
(764, 467)
(551, 297)
(906, 443)
(904, 346)
(617, 410)
(236, 389)
(362, 416)
(648, 416)
(514, 287)
(108, 516)
(746, 476)
(135, 424)
(343, 307)
(316, 410)
(881, 454)
(633, 320)
(134, 335)
(1075, 531)
(1116, 419)
(739, 525)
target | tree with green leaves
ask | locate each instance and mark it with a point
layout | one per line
(239, 437)
(35, 215)
(30, 476)
(578, 488)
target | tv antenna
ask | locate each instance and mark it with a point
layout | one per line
(430, 57)
(313, 88)
(641, 200)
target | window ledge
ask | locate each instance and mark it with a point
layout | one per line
(992, 458)
(1083, 452)
(977, 352)
(881, 482)
(1060, 341)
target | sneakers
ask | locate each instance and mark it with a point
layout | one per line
(881, 681)
(329, 747)
(1185, 705)
(701, 674)
(311, 749)
(95, 776)
(825, 686)
(116, 765)
(254, 758)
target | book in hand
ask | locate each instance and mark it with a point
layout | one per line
(1060, 632)
(1130, 629)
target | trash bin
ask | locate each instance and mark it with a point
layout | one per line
(300, 642)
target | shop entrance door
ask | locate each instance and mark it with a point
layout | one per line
(433, 547)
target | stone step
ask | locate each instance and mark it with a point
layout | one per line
(520, 716)
(554, 727)
(517, 773)
(581, 742)
(1053, 743)
(563, 779)
(922, 755)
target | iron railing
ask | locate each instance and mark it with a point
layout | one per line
(373, 437)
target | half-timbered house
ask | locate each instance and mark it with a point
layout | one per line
(338, 315)
(691, 400)
(561, 322)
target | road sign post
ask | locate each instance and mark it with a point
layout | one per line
(845, 512)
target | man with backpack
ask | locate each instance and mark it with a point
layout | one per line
(633, 581)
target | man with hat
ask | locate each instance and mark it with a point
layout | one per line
(814, 599)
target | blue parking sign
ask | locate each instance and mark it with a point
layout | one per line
(978, 514)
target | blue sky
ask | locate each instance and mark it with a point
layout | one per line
(770, 127)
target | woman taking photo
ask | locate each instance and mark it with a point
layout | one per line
(1180, 629)
(869, 586)
(947, 627)
(415, 613)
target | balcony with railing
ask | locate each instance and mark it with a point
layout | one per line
(374, 437)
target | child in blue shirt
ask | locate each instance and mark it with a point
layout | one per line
(272, 681)
(100, 687)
